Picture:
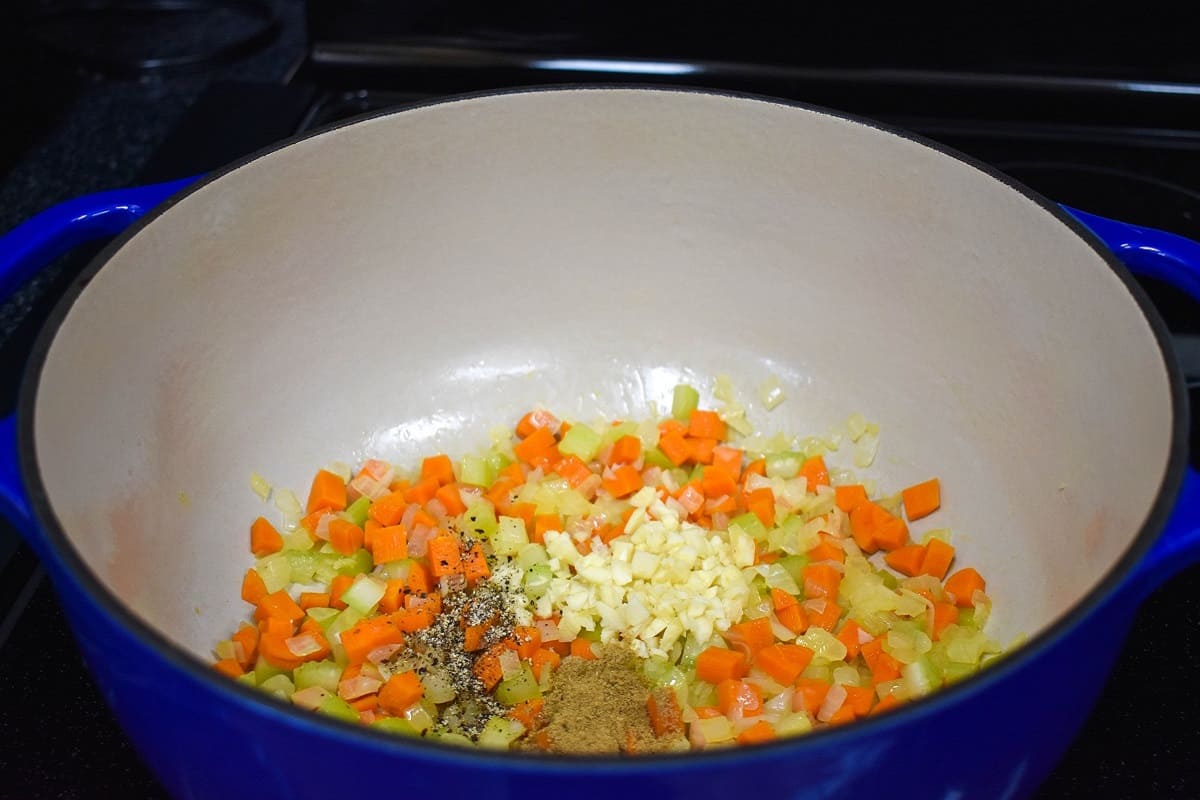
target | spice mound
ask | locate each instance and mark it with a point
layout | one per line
(604, 705)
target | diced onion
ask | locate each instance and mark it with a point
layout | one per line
(311, 697)
(510, 663)
(303, 645)
(259, 485)
(382, 653)
(834, 699)
(322, 531)
(358, 686)
(548, 628)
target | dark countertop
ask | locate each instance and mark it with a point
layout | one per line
(101, 133)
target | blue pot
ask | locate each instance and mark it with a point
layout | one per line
(994, 735)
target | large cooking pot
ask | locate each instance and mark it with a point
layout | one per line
(397, 285)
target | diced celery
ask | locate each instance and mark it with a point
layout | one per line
(304, 563)
(298, 540)
(793, 724)
(771, 393)
(530, 554)
(497, 461)
(592, 635)
(509, 537)
(346, 619)
(225, 649)
(614, 432)
(794, 565)
(581, 441)
(751, 524)
(364, 593)
(395, 570)
(354, 564)
(438, 686)
(966, 618)
(498, 733)
(784, 465)
(275, 571)
(657, 458)
(421, 714)
(259, 485)
(247, 679)
(480, 519)
(819, 672)
(476, 471)
(702, 693)
(396, 725)
(684, 401)
(520, 687)
(264, 671)
(696, 474)
(356, 512)
(318, 673)
(920, 677)
(280, 685)
(661, 672)
(322, 616)
(956, 672)
(335, 706)
(452, 738)
(537, 580)
(889, 580)
(823, 644)
(714, 730)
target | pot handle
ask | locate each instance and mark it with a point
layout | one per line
(1175, 260)
(28, 248)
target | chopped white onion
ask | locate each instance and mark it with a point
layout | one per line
(303, 645)
(780, 703)
(322, 531)
(510, 663)
(548, 628)
(310, 697)
(835, 698)
(358, 686)
(383, 653)
(754, 482)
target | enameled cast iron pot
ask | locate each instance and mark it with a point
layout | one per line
(397, 285)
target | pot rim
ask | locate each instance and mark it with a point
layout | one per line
(72, 566)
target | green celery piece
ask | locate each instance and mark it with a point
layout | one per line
(581, 441)
(247, 679)
(702, 693)
(304, 564)
(889, 580)
(520, 687)
(751, 524)
(966, 617)
(355, 564)
(684, 401)
(335, 706)
(476, 471)
(498, 733)
(279, 685)
(795, 564)
(318, 673)
(614, 432)
(264, 671)
(591, 636)
(784, 465)
(451, 738)
(396, 725)
(537, 580)
(356, 512)
(657, 458)
(480, 520)
(497, 461)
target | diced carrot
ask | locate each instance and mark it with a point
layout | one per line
(474, 565)
(753, 635)
(827, 550)
(701, 450)
(963, 585)
(276, 626)
(815, 472)
(573, 470)
(546, 460)
(514, 473)
(526, 712)
(534, 445)
(756, 467)
(937, 560)
(391, 600)
(707, 712)
(842, 715)
(264, 538)
(273, 647)
(669, 426)
(314, 600)
(368, 702)
(849, 496)
(525, 512)
(757, 733)
(862, 526)
(625, 450)
(543, 523)
(794, 618)
(873, 528)
(538, 418)
(337, 586)
(253, 587)
(432, 601)
(882, 665)
(411, 620)
(439, 468)
(328, 493)
(369, 529)
(388, 509)
(706, 425)
(444, 556)
(582, 648)
(943, 614)
(625, 481)
(821, 580)
(665, 715)
(783, 662)
(422, 491)
(848, 636)
(888, 702)
(345, 536)
(419, 580)
(729, 459)
(544, 657)
(890, 532)
(781, 599)
(528, 639)
(247, 637)
(310, 522)
(716, 664)
(399, 485)
(280, 604)
(859, 698)
(229, 667)
(827, 616)
(473, 636)
(487, 667)
(717, 482)
(922, 499)
(450, 499)
(810, 694)
(364, 636)
(906, 560)
(675, 447)
(400, 692)
(389, 544)
(739, 696)
(762, 503)
(423, 517)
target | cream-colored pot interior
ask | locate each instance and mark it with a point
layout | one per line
(399, 285)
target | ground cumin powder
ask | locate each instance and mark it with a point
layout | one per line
(599, 706)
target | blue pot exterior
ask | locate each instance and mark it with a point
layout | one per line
(206, 737)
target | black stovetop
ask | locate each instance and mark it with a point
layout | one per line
(1109, 148)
